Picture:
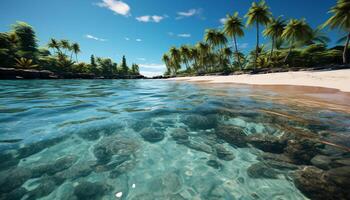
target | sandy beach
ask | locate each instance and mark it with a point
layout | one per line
(338, 79)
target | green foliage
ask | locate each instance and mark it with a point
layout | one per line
(24, 63)
(124, 67)
(26, 40)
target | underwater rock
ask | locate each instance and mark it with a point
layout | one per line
(277, 161)
(12, 179)
(179, 135)
(322, 162)
(214, 164)
(232, 135)
(122, 168)
(30, 149)
(74, 172)
(199, 146)
(302, 151)
(224, 154)
(218, 192)
(8, 160)
(86, 190)
(46, 186)
(341, 162)
(261, 170)
(114, 146)
(15, 194)
(152, 135)
(340, 176)
(266, 143)
(59, 165)
(200, 122)
(315, 184)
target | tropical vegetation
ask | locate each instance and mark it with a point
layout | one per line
(293, 44)
(19, 49)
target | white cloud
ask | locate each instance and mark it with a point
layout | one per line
(88, 36)
(243, 45)
(117, 6)
(184, 35)
(127, 39)
(190, 13)
(222, 20)
(142, 59)
(149, 18)
(152, 69)
(138, 40)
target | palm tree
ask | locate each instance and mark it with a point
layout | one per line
(259, 13)
(76, 49)
(166, 60)
(203, 49)
(341, 20)
(65, 45)
(318, 37)
(296, 31)
(53, 44)
(215, 38)
(234, 28)
(175, 58)
(274, 30)
(185, 55)
(194, 56)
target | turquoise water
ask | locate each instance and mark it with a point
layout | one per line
(144, 139)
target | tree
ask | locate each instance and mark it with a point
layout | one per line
(258, 14)
(166, 60)
(124, 66)
(296, 31)
(135, 69)
(76, 50)
(341, 20)
(234, 28)
(185, 55)
(214, 38)
(175, 59)
(27, 42)
(65, 45)
(274, 30)
(203, 49)
(8, 48)
(53, 44)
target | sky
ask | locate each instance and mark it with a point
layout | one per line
(143, 30)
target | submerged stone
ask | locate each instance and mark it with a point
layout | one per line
(214, 164)
(200, 122)
(322, 162)
(114, 146)
(180, 135)
(267, 143)
(51, 168)
(199, 146)
(46, 186)
(15, 194)
(261, 170)
(8, 160)
(224, 154)
(12, 179)
(314, 183)
(88, 191)
(152, 135)
(302, 150)
(232, 135)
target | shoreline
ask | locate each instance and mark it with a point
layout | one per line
(334, 79)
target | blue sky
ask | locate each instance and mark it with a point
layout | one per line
(143, 29)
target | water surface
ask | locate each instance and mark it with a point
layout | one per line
(147, 139)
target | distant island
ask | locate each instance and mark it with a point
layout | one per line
(294, 45)
(21, 58)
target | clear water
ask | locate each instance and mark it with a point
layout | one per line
(87, 115)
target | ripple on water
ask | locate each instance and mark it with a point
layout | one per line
(102, 139)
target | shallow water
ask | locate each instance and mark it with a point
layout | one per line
(146, 139)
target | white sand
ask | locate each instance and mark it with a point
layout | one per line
(338, 79)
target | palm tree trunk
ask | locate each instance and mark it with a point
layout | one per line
(289, 52)
(237, 54)
(76, 57)
(257, 44)
(345, 52)
(273, 45)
